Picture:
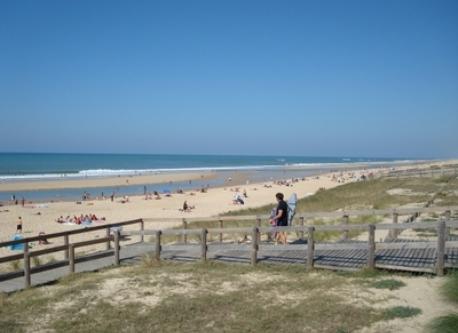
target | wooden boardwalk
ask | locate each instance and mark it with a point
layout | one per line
(422, 259)
(430, 256)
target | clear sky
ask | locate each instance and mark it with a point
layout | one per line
(326, 78)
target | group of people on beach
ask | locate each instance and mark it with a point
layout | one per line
(82, 219)
(15, 200)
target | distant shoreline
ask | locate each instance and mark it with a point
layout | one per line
(71, 189)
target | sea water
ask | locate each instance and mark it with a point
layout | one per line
(34, 166)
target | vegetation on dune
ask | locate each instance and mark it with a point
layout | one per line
(450, 287)
(196, 297)
(444, 324)
(363, 194)
(447, 323)
(390, 284)
(401, 312)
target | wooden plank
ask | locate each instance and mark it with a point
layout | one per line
(142, 227)
(221, 226)
(185, 227)
(27, 277)
(310, 248)
(66, 242)
(440, 252)
(371, 247)
(258, 225)
(108, 235)
(345, 222)
(71, 258)
(12, 257)
(117, 248)
(301, 233)
(48, 250)
(255, 247)
(90, 242)
(413, 245)
(341, 246)
(405, 268)
(158, 247)
(204, 247)
(179, 232)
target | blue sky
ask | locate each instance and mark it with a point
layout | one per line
(326, 78)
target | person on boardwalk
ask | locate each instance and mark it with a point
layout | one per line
(281, 218)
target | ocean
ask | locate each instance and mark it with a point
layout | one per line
(35, 166)
(16, 166)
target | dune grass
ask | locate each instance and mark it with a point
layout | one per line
(357, 195)
(196, 297)
(447, 323)
(390, 284)
(444, 324)
(401, 312)
(450, 287)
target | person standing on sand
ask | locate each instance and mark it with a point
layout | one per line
(281, 218)
(19, 225)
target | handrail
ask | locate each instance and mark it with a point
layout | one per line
(68, 233)
(361, 212)
(337, 227)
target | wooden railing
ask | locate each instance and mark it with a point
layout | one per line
(68, 247)
(440, 245)
(256, 230)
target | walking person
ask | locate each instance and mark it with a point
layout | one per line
(19, 225)
(281, 218)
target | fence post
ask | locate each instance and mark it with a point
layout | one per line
(310, 248)
(109, 237)
(258, 225)
(371, 247)
(66, 241)
(71, 258)
(255, 242)
(204, 245)
(345, 220)
(301, 233)
(440, 251)
(221, 225)
(142, 228)
(27, 277)
(393, 233)
(117, 248)
(185, 236)
(158, 245)
(448, 214)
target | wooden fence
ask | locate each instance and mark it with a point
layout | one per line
(441, 244)
(443, 228)
(68, 247)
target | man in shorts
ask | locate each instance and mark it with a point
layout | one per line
(281, 218)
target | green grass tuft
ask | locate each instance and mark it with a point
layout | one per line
(401, 312)
(390, 284)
